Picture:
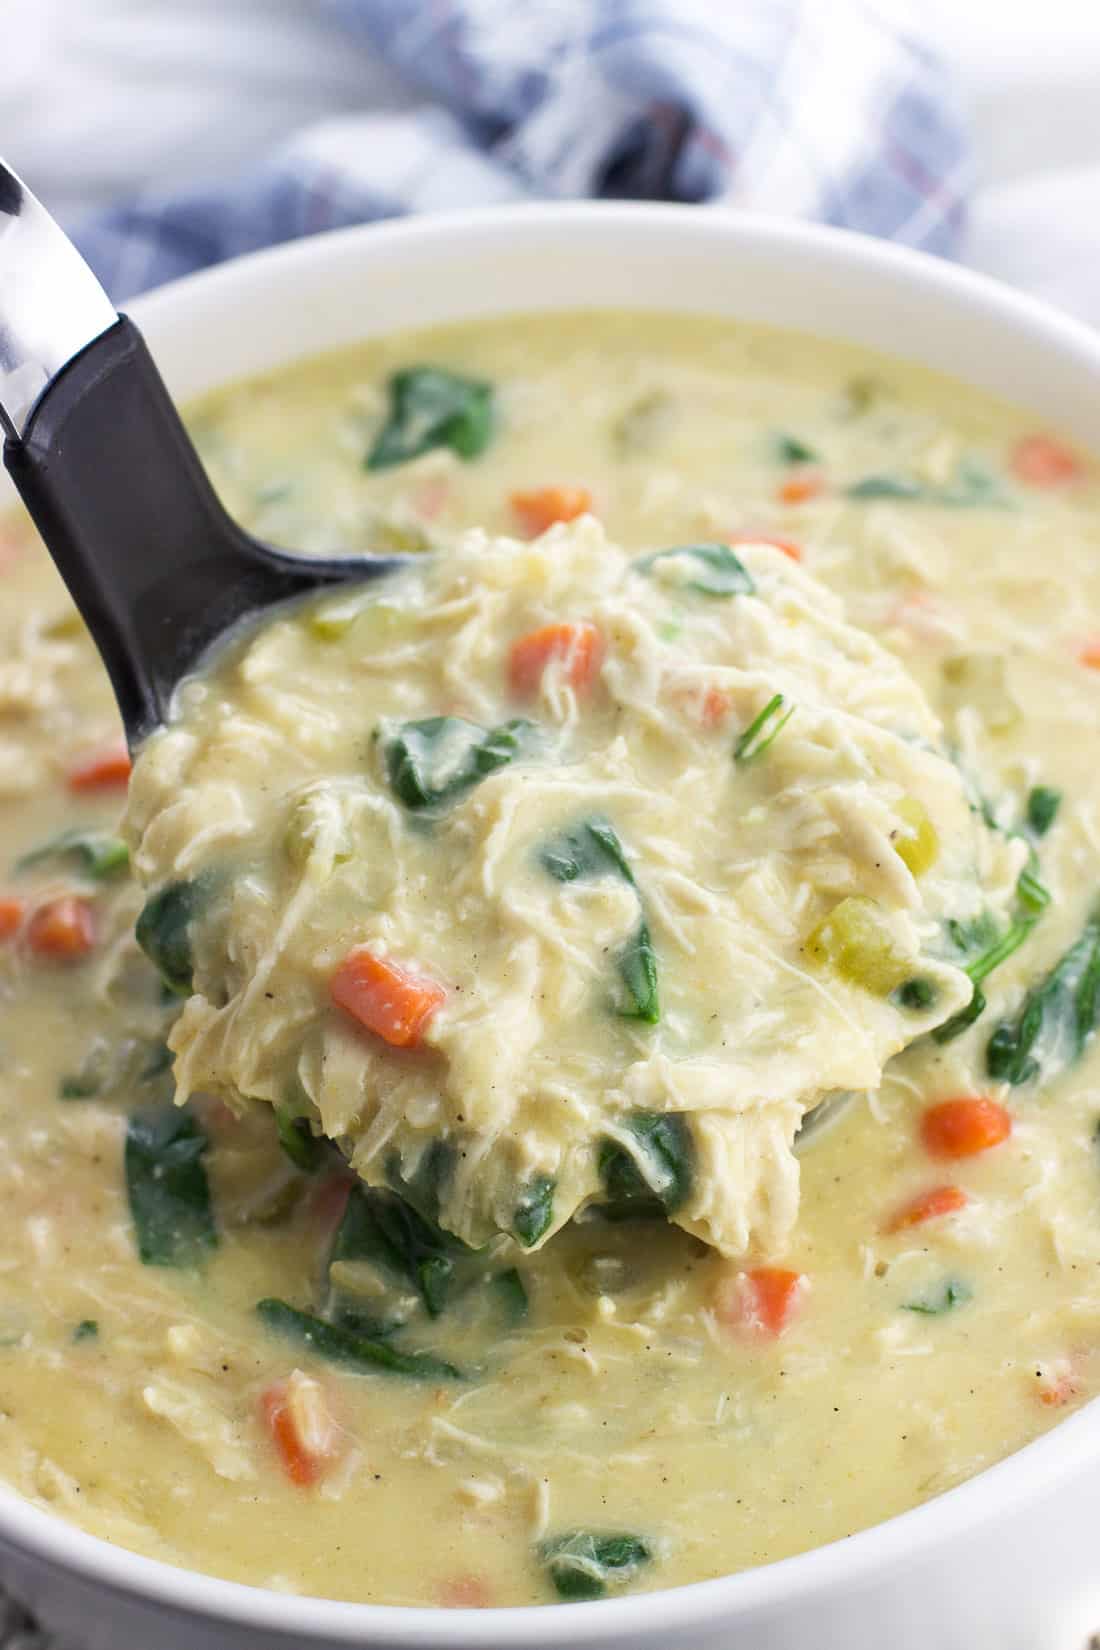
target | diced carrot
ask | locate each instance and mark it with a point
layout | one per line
(762, 1301)
(385, 997)
(545, 506)
(103, 769)
(1041, 461)
(941, 1200)
(803, 485)
(1057, 1383)
(965, 1127)
(788, 546)
(12, 912)
(301, 1425)
(715, 707)
(1089, 653)
(464, 1593)
(579, 646)
(63, 929)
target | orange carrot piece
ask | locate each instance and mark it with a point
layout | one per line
(385, 997)
(762, 1301)
(544, 506)
(63, 929)
(302, 1429)
(464, 1593)
(12, 912)
(1089, 653)
(1041, 461)
(1057, 1384)
(578, 645)
(964, 1127)
(798, 488)
(941, 1200)
(788, 546)
(101, 770)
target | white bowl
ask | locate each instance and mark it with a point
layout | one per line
(1009, 1560)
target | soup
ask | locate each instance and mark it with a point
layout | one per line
(222, 1349)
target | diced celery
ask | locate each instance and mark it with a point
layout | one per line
(856, 942)
(917, 845)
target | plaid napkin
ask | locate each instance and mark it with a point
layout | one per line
(827, 109)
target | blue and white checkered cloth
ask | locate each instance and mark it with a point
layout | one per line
(828, 109)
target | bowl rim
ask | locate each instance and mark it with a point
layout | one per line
(880, 1550)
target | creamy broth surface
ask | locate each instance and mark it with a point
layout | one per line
(577, 1405)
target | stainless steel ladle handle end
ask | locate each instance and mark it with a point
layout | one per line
(51, 305)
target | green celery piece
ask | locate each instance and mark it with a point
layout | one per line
(763, 730)
(654, 1172)
(584, 1564)
(164, 930)
(99, 854)
(167, 1186)
(305, 1150)
(721, 573)
(343, 1346)
(951, 1293)
(437, 759)
(534, 1209)
(432, 407)
(1061, 1009)
(1042, 809)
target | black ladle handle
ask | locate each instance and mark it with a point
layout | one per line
(157, 568)
(95, 447)
(154, 563)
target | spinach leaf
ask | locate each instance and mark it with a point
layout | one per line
(99, 854)
(637, 965)
(109, 1068)
(652, 1172)
(790, 450)
(511, 1295)
(763, 730)
(1042, 808)
(304, 1149)
(917, 994)
(1056, 1019)
(951, 1293)
(164, 930)
(380, 1227)
(167, 1186)
(972, 485)
(534, 1209)
(583, 1564)
(885, 486)
(979, 969)
(720, 572)
(431, 407)
(344, 1346)
(438, 758)
(86, 1330)
(590, 849)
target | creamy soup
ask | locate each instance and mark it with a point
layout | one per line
(677, 901)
